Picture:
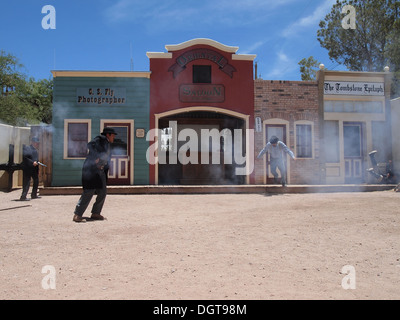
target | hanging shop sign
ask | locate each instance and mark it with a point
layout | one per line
(206, 54)
(354, 88)
(202, 93)
(258, 125)
(101, 96)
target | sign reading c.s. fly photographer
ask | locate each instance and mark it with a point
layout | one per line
(101, 96)
(354, 88)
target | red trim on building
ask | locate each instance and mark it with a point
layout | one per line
(172, 87)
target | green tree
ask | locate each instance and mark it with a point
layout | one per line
(11, 77)
(368, 47)
(38, 95)
(393, 55)
(14, 112)
(372, 45)
(308, 68)
(22, 101)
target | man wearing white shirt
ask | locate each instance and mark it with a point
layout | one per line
(276, 149)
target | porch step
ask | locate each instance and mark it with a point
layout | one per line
(221, 189)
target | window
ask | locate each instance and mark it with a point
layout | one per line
(120, 145)
(331, 141)
(352, 140)
(201, 74)
(304, 141)
(76, 137)
(350, 106)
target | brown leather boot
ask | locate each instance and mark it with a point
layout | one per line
(97, 216)
(78, 218)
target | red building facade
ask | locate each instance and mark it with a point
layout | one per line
(201, 85)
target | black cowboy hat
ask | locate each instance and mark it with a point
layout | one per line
(109, 131)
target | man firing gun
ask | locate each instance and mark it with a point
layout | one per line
(30, 168)
(382, 172)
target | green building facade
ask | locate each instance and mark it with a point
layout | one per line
(86, 102)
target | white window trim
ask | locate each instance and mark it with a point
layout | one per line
(66, 123)
(304, 122)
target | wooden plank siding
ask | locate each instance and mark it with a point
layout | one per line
(67, 172)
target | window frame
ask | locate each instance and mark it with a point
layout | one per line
(201, 66)
(67, 122)
(304, 123)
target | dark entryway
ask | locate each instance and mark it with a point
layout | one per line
(198, 171)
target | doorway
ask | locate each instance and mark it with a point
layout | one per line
(197, 172)
(121, 166)
(353, 151)
(278, 130)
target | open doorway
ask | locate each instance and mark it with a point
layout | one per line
(198, 171)
(121, 166)
(278, 130)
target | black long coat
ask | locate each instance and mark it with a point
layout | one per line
(30, 155)
(99, 148)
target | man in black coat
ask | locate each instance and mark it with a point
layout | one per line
(30, 169)
(94, 175)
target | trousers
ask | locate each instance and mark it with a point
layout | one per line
(29, 174)
(87, 196)
(278, 163)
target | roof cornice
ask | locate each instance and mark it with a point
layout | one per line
(103, 74)
(201, 41)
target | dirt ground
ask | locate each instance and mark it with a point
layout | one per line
(289, 246)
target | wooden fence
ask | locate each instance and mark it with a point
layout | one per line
(44, 133)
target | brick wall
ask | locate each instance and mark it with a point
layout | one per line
(290, 101)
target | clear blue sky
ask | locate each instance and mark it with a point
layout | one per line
(99, 34)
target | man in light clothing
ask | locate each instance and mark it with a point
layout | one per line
(276, 149)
